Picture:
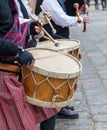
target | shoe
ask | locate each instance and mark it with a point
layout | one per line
(67, 114)
(70, 107)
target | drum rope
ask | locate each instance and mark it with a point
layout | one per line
(36, 86)
(56, 93)
(73, 53)
(24, 76)
(71, 87)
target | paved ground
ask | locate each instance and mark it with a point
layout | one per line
(90, 99)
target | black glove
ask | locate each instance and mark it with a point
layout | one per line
(24, 57)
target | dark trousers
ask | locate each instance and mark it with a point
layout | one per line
(96, 4)
(48, 124)
(88, 3)
(103, 2)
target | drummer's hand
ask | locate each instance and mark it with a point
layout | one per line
(84, 8)
(40, 35)
(24, 58)
(48, 14)
(39, 23)
(42, 16)
(35, 27)
(84, 18)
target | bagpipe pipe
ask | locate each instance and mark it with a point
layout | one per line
(73, 7)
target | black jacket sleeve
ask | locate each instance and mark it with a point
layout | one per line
(7, 48)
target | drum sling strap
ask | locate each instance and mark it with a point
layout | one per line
(9, 68)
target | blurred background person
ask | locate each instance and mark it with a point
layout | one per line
(96, 4)
(104, 4)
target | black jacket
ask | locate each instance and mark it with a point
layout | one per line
(6, 22)
(7, 48)
(69, 6)
(6, 18)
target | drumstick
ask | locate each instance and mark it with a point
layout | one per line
(50, 37)
(53, 29)
(76, 6)
(84, 28)
(45, 37)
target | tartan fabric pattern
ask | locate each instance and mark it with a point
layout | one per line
(15, 112)
(17, 34)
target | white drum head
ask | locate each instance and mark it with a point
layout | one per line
(64, 44)
(55, 64)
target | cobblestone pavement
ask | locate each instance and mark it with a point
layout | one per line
(90, 99)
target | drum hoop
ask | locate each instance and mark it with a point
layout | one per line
(68, 49)
(40, 103)
(54, 74)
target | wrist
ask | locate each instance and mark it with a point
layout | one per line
(20, 51)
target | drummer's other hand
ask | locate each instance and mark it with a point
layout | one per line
(48, 14)
(25, 58)
(38, 27)
(39, 23)
(85, 18)
(35, 27)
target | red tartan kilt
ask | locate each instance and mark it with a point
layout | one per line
(15, 112)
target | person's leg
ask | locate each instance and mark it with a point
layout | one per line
(105, 3)
(96, 5)
(48, 124)
(102, 4)
(88, 3)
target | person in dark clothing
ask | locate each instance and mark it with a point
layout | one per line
(96, 5)
(15, 112)
(88, 3)
(104, 4)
